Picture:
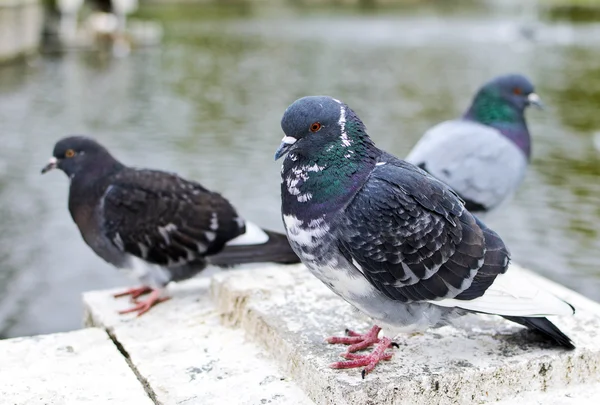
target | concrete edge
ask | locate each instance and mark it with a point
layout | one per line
(91, 321)
(242, 308)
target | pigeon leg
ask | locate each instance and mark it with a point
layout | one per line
(356, 340)
(141, 307)
(368, 361)
(134, 292)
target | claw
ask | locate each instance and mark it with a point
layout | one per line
(134, 292)
(356, 340)
(352, 333)
(142, 307)
(368, 361)
(353, 356)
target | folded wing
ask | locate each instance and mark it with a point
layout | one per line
(166, 220)
(476, 161)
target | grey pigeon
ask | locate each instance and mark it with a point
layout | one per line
(159, 225)
(484, 154)
(391, 240)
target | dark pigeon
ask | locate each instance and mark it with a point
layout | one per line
(390, 239)
(482, 156)
(159, 225)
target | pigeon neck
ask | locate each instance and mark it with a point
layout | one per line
(96, 169)
(324, 181)
(91, 178)
(491, 110)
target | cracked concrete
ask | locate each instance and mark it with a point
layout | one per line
(67, 368)
(187, 356)
(485, 359)
(257, 336)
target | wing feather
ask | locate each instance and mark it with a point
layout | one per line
(165, 219)
(422, 244)
(513, 294)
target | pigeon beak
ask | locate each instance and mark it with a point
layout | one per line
(535, 100)
(52, 163)
(286, 144)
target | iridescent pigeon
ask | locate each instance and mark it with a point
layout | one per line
(484, 154)
(393, 241)
(159, 225)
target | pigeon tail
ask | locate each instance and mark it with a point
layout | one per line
(274, 248)
(544, 327)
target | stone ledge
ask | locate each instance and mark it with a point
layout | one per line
(185, 356)
(487, 359)
(82, 367)
(574, 395)
(256, 336)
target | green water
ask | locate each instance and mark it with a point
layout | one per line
(207, 104)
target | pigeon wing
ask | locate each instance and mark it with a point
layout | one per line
(477, 161)
(165, 219)
(413, 240)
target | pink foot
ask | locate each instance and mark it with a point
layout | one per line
(356, 340)
(134, 292)
(368, 361)
(141, 307)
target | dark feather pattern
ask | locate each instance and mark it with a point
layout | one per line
(277, 249)
(422, 245)
(496, 261)
(165, 219)
(544, 327)
(470, 205)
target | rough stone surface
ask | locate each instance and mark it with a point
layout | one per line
(257, 336)
(574, 395)
(185, 356)
(486, 359)
(82, 367)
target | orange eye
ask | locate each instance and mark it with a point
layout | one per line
(315, 126)
(517, 91)
(69, 153)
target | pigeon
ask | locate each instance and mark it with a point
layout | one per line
(483, 155)
(390, 239)
(158, 225)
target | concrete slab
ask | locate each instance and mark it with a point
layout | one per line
(185, 356)
(272, 349)
(575, 395)
(486, 359)
(82, 367)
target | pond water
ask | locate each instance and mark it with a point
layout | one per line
(207, 104)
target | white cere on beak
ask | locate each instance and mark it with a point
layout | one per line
(52, 164)
(534, 98)
(289, 140)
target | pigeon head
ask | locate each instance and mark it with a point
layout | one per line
(316, 122)
(78, 154)
(503, 99)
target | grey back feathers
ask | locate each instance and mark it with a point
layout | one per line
(477, 161)
(484, 154)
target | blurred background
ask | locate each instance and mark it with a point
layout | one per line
(199, 88)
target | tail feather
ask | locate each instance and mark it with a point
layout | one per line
(276, 249)
(544, 327)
